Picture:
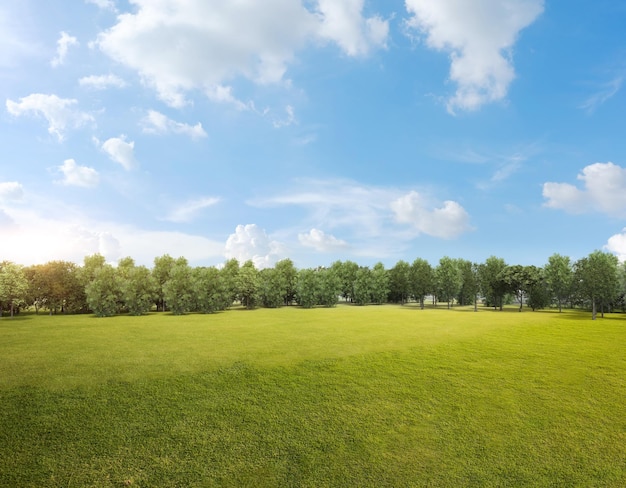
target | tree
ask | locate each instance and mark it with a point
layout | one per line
(307, 288)
(399, 282)
(597, 279)
(104, 293)
(288, 274)
(519, 280)
(272, 288)
(346, 274)
(558, 276)
(210, 295)
(179, 289)
(448, 278)
(248, 285)
(329, 287)
(161, 272)
(139, 289)
(228, 276)
(493, 288)
(13, 286)
(539, 293)
(380, 284)
(87, 273)
(421, 280)
(363, 286)
(470, 283)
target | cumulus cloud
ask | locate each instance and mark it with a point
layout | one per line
(120, 151)
(322, 242)
(60, 113)
(617, 245)
(447, 222)
(342, 21)
(188, 211)
(479, 36)
(603, 190)
(102, 82)
(76, 175)
(63, 44)
(250, 242)
(11, 191)
(157, 123)
(369, 212)
(203, 45)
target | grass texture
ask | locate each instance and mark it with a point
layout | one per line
(350, 396)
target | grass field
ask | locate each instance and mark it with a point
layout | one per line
(350, 396)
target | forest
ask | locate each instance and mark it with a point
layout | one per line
(596, 282)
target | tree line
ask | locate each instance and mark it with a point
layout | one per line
(596, 282)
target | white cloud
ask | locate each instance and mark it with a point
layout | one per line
(63, 44)
(102, 82)
(604, 190)
(606, 91)
(178, 47)
(60, 113)
(76, 175)
(447, 222)
(72, 237)
(322, 242)
(190, 210)
(342, 22)
(369, 214)
(250, 242)
(104, 4)
(479, 36)
(120, 151)
(290, 119)
(11, 191)
(617, 245)
(157, 123)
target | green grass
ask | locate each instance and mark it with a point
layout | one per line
(351, 396)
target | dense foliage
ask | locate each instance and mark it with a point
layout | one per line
(596, 282)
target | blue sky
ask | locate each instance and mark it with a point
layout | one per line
(312, 129)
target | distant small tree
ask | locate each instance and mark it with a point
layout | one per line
(288, 275)
(272, 288)
(559, 277)
(421, 280)
(248, 285)
(307, 288)
(400, 282)
(448, 278)
(597, 279)
(329, 288)
(210, 295)
(363, 286)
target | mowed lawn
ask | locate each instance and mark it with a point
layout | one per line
(349, 396)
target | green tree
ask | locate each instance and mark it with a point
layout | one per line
(329, 287)
(363, 286)
(519, 280)
(13, 286)
(597, 279)
(380, 284)
(139, 289)
(104, 292)
(248, 285)
(288, 275)
(493, 287)
(400, 282)
(161, 273)
(210, 294)
(346, 274)
(421, 278)
(272, 288)
(179, 293)
(559, 277)
(470, 283)
(448, 277)
(307, 288)
(228, 276)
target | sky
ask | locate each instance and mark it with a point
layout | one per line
(315, 130)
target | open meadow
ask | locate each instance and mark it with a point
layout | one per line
(346, 396)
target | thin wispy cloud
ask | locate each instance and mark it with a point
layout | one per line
(605, 92)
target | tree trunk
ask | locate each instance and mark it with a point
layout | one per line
(475, 303)
(593, 309)
(11, 309)
(560, 310)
